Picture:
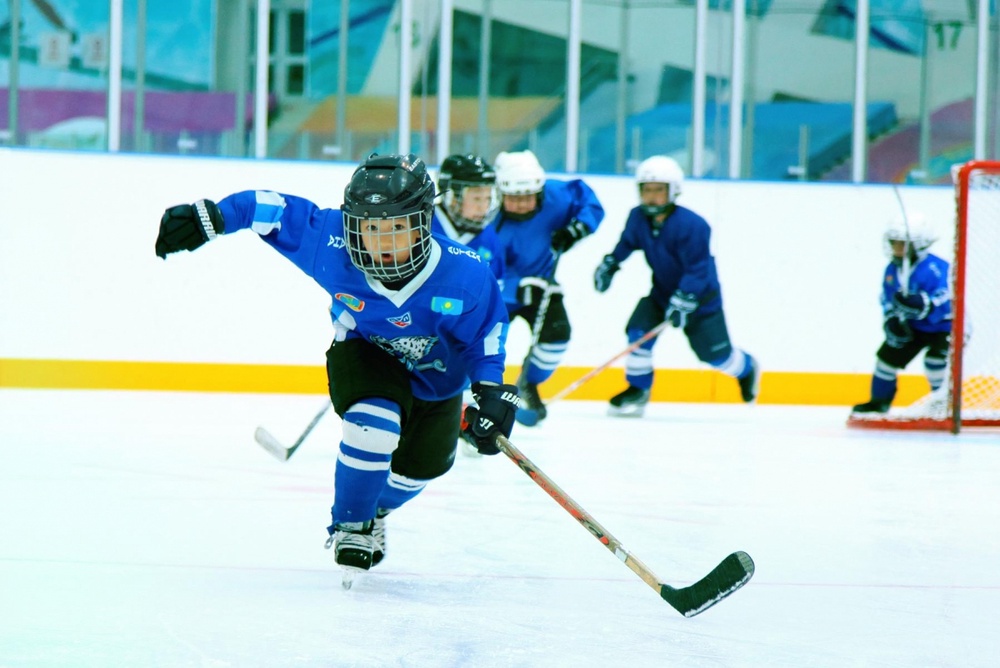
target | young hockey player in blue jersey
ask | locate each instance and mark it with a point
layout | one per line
(686, 291)
(540, 219)
(916, 305)
(469, 202)
(416, 317)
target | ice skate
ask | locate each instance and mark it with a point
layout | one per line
(532, 410)
(630, 403)
(378, 535)
(354, 547)
(750, 383)
(873, 406)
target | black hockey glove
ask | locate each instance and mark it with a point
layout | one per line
(681, 305)
(604, 273)
(188, 226)
(495, 415)
(911, 307)
(897, 332)
(564, 238)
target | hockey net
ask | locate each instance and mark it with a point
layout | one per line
(971, 397)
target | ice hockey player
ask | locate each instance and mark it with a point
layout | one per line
(540, 219)
(469, 202)
(685, 291)
(415, 316)
(916, 307)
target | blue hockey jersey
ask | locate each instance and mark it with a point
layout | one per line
(448, 325)
(527, 244)
(930, 277)
(485, 243)
(678, 254)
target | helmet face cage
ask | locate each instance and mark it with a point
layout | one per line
(660, 169)
(459, 173)
(387, 210)
(914, 231)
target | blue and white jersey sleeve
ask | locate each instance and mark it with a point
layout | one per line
(930, 279)
(291, 225)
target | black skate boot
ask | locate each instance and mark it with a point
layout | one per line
(378, 534)
(630, 403)
(353, 548)
(750, 383)
(873, 406)
(532, 410)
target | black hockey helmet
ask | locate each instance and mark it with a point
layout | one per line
(387, 188)
(459, 172)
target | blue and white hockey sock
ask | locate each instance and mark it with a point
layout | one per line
(543, 360)
(398, 491)
(935, 370)
(371, 434)
(736, 365)
(639, 365)
(884, 381)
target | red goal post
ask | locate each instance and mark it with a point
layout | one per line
(971, 397)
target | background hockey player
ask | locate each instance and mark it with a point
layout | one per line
(469, 202)
(415, 316)
(685, 291)
(916, 305)
(539, 220)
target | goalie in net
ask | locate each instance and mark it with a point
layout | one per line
(966, 393)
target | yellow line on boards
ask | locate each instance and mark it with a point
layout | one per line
(682, 385)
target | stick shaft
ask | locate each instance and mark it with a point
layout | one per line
(572, 387)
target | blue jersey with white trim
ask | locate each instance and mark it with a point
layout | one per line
(448, 325)
(679, 254)
(485, 242)
(930, 277)
(527, 244)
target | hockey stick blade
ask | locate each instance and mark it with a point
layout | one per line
(734, 572)
(271, 444)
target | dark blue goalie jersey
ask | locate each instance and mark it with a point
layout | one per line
(448, 325)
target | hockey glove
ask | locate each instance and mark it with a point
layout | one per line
(681, 305)
(188, 226)
(897, 332)
(604, 273)
(495, 415)
(564, 238)
(531, 289)
(911, 307)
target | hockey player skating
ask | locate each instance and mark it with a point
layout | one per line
(539, 220)
(916, 310)
(415, 316)
(685, 291)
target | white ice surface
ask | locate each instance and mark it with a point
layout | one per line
(149, 529)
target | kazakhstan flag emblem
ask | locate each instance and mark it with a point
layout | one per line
(446, 305)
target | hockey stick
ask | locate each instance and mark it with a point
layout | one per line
(904, 270)
(561, 394)
(528, 416)
(272, 445)
(732, 573)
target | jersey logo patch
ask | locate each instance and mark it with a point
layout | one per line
(336, 242)
(410, 350)
(352, 302)
(447, 306)
(401, 320)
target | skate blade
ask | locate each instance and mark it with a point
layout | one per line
(349, 575)
(626, 411)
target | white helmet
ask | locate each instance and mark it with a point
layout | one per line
(661, 169)
(913, 228)
(519, 173)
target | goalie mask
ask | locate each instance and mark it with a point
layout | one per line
(469, 188)
(387, 210)
(913, 231)
(520, 175)
(660, 169)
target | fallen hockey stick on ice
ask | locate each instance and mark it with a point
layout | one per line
(566, 391)
(734, 571)
(275, 447)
